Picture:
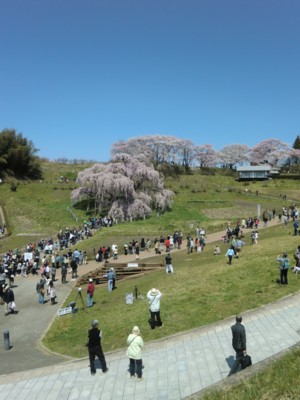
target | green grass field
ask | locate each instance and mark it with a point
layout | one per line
(202, 290)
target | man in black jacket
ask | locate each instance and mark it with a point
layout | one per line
(74, 266)
(95, 348)
(238, 343)
(9, 299)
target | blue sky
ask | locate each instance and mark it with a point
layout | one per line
(77, 76)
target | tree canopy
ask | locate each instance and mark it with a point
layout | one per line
(161, 149)
(17, 156)
(296, 144)
(127, 188)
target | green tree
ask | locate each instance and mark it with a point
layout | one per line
(17, 156)
(296, 144)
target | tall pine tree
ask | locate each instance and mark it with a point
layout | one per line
(296, 144)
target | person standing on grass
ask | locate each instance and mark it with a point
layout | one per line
(169, 266)
(230, 254)
(238, 343)
(296, 227)
(134, 352)
(114, 278)
(284, 265)
(95, 348)
(154, 296)
(110, 279)
(90, 292)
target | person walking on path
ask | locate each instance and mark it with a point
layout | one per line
(284, 265)
(41, 290)
(64, 271)
(238, 343)
(51, 292)
(134, 352)
(230, 254)
(9, 299)
(95, 348)
(74, 267)
(90, 292)
(154, 296)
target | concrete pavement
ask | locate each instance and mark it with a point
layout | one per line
(175, 367)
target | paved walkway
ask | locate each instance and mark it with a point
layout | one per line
(175, 367)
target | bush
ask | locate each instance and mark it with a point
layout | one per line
(13, 187)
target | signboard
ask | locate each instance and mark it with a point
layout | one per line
(27, 256)
(64, 311)
(129, 298)
(132, 265)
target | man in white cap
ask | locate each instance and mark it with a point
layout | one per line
(153, 297)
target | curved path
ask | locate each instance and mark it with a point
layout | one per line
(175, 367)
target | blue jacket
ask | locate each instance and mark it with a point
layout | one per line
(284, 262)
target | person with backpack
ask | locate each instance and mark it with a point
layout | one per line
(284, 265)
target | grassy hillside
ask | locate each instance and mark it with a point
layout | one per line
(39, 209)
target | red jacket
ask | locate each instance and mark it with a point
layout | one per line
(90, 288)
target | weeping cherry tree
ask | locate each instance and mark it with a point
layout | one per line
(128, 188)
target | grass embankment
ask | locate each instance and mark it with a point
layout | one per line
(38, 209)
(202, 290)
(279, 381)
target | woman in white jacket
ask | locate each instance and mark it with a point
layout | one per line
(134, 352)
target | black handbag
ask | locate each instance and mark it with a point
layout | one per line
(246, 361)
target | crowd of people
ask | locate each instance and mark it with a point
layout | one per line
(45, 257)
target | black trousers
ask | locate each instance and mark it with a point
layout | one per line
(93, 352)
(155, 319)
(135, 366)
(283, 276)
(237, 362)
